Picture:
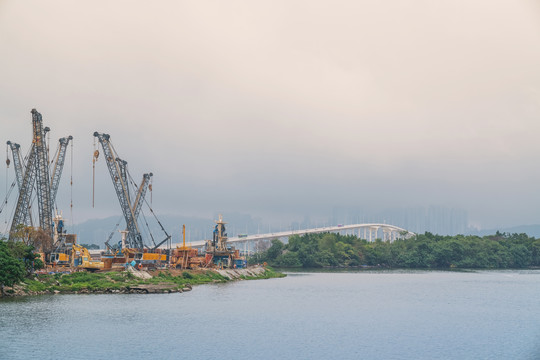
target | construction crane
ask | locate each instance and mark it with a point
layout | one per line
(139, 199)
(43, 185)
(21, 215)
(36, 174)
(121, 187)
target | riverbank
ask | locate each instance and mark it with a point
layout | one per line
(132, 281)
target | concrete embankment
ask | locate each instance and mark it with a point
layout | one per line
(233, 274)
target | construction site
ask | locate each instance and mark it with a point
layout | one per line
(36, 184)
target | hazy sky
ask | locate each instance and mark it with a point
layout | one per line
(279, 108)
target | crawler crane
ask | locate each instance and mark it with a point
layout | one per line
(37, 175)
(135, 249)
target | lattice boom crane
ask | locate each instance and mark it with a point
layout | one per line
(43, 185)
(36, 174)
(121, 188)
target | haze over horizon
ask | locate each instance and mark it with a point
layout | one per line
(284, 109)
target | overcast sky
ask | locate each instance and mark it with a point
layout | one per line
(285, 108)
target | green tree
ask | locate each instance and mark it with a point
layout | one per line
(428, 250)
(275, 250)
(25, 253)
(11, 269)
(288, 259)
(327, 242)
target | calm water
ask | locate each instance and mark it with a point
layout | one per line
(363, 315)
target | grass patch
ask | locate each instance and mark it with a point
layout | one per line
(35, 285)
(79, 281)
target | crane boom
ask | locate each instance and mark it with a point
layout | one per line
(138, 201)
(42, 174)
(140, 194)
(19, 174)
(17, 162)
(22, 209)
(58, 166)
(122, 165)
(120, 186)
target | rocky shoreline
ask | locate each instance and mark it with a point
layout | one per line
(132, 281)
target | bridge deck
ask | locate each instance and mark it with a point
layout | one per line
(283, 234)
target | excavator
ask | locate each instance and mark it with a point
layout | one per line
(80, 258)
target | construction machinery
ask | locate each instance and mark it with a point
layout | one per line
(62, 253)
(218, 253)
(36, 174)
(81, 258)
(185, 257)
(121, 187)
(139, 199)
(132, 246)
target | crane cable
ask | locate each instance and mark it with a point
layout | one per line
(160, 224)
(115, 154)
(119, 220)
(56, 154)
(168, 237)
(25, 162)
(114, 231)
(4, 203)
(94, 159)
(148, 226)
(150, 188)
(71, 186)
(7, 168)
(135, 189)
(8, 192)
(48, 142)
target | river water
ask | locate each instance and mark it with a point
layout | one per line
(307, 315)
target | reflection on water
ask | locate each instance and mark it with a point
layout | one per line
(308, 315)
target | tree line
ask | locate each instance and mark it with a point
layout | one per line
(17, 260)
(423, 251)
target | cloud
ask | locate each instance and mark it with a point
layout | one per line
(288, 106)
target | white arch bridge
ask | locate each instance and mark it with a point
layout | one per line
(369, 232)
